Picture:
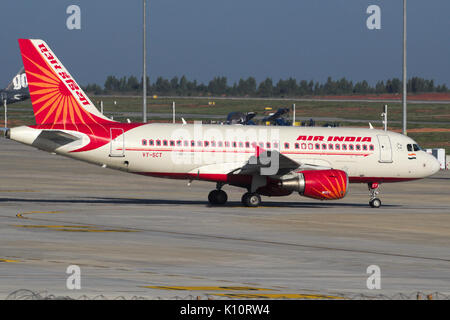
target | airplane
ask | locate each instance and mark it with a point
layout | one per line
(315, 162)
(278, 118)
(237, 117)
(17, 90)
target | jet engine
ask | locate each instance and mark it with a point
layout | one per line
(318, 184)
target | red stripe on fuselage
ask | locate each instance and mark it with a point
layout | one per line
(245, 179)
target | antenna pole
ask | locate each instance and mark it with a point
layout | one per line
(384, 117)
(293, 114)
(173, 111)
(144, 76)
(404, 70)
(6, 113)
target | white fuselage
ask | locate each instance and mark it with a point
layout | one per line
(179, 151)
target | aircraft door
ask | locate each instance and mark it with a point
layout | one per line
(385, 148)
(117, 144)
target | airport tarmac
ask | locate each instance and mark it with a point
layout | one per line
(147, 237)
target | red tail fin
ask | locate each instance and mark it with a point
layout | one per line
(56, 97)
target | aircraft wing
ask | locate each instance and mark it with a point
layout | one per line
(266, 163)
(270, 163)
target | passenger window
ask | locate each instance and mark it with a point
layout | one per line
(358, 147)
(337, 146)
(179, 143)
(213, 143)
(206, 143)
(192, 143)
(324, 146)
(199, 143)
(268, 145)
(186, 143)
(303, 146)
(371, 147)
(144, 142)
(344, 147)
(172, 143)
(317, 146)
(150, 142)
(247, 144)
(286, 145)
(330, 146)
(165, 143)
(234, 144)
(364, 147)
(350, 147)
(220, 144)
(241, 145)
(297, 146)
(310, 146)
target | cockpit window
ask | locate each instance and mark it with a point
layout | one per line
(413, 147)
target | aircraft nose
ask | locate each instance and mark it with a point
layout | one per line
(434, 165)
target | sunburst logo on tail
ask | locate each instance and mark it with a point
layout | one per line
(56, 97)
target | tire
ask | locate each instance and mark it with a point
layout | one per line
(212, 197)
(243, 199)
(217, 197)
(375, 203)
(251, 200)
(221, 197)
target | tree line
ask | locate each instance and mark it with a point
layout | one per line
(249, 87)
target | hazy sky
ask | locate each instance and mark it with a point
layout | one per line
(305, 39)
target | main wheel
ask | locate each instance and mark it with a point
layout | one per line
(251, 199)
(375, 203)
(217, 197)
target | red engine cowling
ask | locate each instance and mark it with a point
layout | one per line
(318, 184)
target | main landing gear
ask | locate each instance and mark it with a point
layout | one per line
(373, 192)
(251, 199)
(217, 196)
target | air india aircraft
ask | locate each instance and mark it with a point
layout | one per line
(317, 163)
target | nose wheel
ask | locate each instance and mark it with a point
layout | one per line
(375, 203)
(217, 197)
(374, 190)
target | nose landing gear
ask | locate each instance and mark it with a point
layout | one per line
(374, 202)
